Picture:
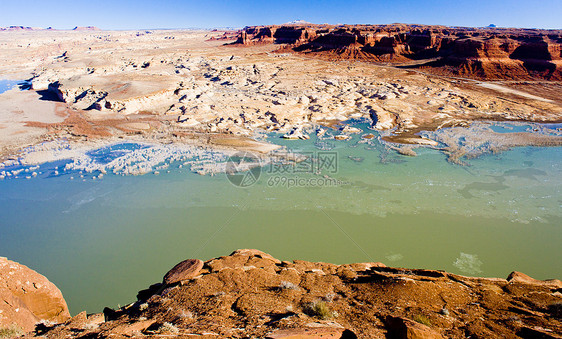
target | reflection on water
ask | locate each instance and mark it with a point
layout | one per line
(6, 85)
(486, 187)
(103, 240)
(526, 173)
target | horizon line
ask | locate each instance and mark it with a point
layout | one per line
(282, 24)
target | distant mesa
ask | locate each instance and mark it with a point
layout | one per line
(20, 28)
(298, 22)
(488, 53)
(25, 28)
(86, 28)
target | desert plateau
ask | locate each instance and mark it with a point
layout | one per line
(396, 180)
(219, 88)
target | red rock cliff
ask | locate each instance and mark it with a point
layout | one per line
(489, 53)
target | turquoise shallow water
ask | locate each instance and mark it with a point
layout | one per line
(103, 240)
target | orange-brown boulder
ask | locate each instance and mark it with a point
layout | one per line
(403, 328)
(185, 270)
(518, 277)
(309, 333)
(27, 297)
(255, 253)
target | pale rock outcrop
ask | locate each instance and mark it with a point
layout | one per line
(296, 133)
(381, 119)
(522, 278)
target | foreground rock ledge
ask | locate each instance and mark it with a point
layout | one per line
(251, 294)
(27, 298)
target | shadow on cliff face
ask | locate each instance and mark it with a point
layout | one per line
(475, 53)
(540, 68)
(46, 95)
(536, 58)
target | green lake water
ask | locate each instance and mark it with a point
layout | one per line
(101, 241)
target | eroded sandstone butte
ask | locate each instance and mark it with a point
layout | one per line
(484, 53)
(250, 294)
(27, 297)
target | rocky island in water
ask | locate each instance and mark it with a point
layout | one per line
(83, 111)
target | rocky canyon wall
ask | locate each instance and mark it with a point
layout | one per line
(483, 53)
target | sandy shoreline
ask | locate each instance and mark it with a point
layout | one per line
(180, 87)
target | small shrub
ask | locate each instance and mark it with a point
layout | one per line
(47, 323)
(186, 314)
(330, 297)
(514, 318)
(168, 328)
(422, 320)
(10, 332)
(444, 311)
(91, 326)
(320, 310)
(287, 285)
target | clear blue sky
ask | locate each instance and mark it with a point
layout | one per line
(130, 14)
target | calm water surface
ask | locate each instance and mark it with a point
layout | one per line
(100, 241)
